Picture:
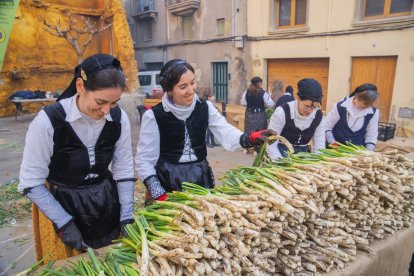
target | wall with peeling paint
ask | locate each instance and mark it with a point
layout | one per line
(35, 59)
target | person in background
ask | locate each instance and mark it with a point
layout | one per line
(172, 145)
(287, 97)
(354, 119)
(210, 141)
(256, 100)
(299, 121)
(77, 164)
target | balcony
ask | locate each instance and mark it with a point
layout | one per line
(183, 7)
(146, 11)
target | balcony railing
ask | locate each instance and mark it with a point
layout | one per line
(183, 7)
(146, 11)
(146, 5)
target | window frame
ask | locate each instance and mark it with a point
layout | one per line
(219, 21)
(147, 34)
(292, 25)
(386, 12)
(183, 20)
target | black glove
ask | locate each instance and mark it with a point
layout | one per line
(255, 138)
(71, 236)
(124, 223)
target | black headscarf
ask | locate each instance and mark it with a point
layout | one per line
(310, 89)
(364, 87)
(90, 65)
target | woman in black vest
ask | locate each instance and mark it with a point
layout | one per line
(299, 121)
(81, 147)
(256, 100)
(172, 147)
(287, 97)
(354, 119)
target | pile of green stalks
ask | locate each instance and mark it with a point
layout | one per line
(305, 214)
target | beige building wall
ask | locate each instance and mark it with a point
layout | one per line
(205, 46)
(334, 31)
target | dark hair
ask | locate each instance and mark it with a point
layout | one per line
(256, 80)
(171, 73)
(253, 87)
(208, 93)
(289, 89)
(98, 72)
(367, 93)
(310, 90)
(364, 87)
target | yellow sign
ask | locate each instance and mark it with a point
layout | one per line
(7, 13)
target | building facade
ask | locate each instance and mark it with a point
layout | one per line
(340, 43)
(208, 34)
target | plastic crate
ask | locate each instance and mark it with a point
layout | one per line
(386, 131)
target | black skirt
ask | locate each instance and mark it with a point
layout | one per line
(172, 175)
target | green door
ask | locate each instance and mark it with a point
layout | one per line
(220, 81)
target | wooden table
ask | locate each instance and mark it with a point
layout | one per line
(43, 102)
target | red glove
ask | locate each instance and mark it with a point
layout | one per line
(148, 107)
(334, 145)
(261, 136)
(162, 197)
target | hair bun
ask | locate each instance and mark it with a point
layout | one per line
(116, 63)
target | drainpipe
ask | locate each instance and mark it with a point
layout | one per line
(167, 29)
(233, 18)
(328, 25)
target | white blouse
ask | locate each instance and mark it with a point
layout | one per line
(355, 119)
(39, 144)
(148, 148)
(268, 102)
(278, 121)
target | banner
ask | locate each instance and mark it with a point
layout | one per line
(7, 13)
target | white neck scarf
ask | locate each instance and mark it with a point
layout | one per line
(182, 112)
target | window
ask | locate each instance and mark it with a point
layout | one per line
(144, 80)
(290, 13)
(147, 30)
(220, 26)
(373, 9)
(188, 27)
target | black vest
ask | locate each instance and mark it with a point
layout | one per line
(255, 103)
(293, 134)
(69, 164)
(172, 132)
(284, 99)
(343, 133)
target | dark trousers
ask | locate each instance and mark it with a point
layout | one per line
(210, 137)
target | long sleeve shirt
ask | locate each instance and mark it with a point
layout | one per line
(355, 120)
(148, 148)
(268, 102)
(277, 123)
(39, 149)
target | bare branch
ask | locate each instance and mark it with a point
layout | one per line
(75, 30)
